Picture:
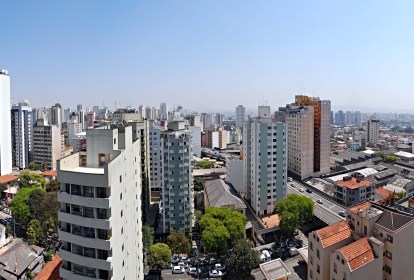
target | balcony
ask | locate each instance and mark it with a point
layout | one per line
(83, 200)
(85, 241)
(85, 261)
(65, 273)
(82, 221)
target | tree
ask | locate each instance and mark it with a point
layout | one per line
(204, 164)
(30, 179)
(242, 259)
(20, 209)
(221, 227)
(379, 154)
(400, 195)
(178, 242)
(390, 159)
(198, 184)
(159, 255)
(53, 186)
(293, 210)
(35, 232)
(34, 202)
(147, 236)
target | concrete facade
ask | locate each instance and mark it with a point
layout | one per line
(22, 134)
(372, 131)
(240, 116)
(47, 144)
(5, 124)
(100, 216)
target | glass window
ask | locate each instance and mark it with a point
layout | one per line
(75, 190)
(88, 212)
(76, 210)
(88, 191)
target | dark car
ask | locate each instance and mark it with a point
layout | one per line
(342, 213)
(309, 190)
(154, 272)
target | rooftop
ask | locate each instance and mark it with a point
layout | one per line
(361, 206)
(393, 221)
(354, 183)
(404, 154)
(51, 270)
(89, 170)
(219, 194)
(397, 184)
(51, 173)
(358, 253)
(275, 270)
(8, 178)
(334, 233)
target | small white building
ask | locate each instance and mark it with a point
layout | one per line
(405, 156)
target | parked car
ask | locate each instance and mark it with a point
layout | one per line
(290, 179)
(342, 213)
(214, 261)
(182, 264)
(309, 190)
(319, 201)
(6, 211)
(155, 272)
(301, 190)
(214, 273)
(194, 271)
(219, 266)
(293, 251)
(1, 207)
(178, 270)
(265, 256)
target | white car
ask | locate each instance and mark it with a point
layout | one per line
(215, 273)
(193, 271)
(301, 190)
(178, 270)
(182, 264)
(219, 266)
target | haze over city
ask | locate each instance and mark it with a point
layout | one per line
(358, 54)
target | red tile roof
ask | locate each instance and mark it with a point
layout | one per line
(362, 206)
(334, 233)
(7, 178)
(384, 192)
(358, 253)
(353, 184)
(50, 173)
(51, 270)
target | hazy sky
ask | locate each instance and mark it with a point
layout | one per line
(209, 54)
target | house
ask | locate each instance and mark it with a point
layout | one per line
(51, 270)
(218, 193)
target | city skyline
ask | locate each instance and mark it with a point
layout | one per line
(232, 53)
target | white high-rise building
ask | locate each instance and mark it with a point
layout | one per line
(163, 111)
(240, 116)
(177, 182)
(372, 131)
(156, 162)
(264, 161)
(100, 216)
(5, 124)
(22, 134)
(74, 128)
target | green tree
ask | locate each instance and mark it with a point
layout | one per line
(159, 255)
(379, 154)
(31, 179)
(35, 232)
(8, 230)
(293, 210)
(34, 202)
(221, 227)
(198, 184)
(390, 159)
(241, 260)
(53, 186)
(20, 209)
(178, 242)
(400, 195)
(204, 164)
(147, 236)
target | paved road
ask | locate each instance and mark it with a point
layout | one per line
(327, 212)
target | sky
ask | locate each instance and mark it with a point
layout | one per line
(210, 55)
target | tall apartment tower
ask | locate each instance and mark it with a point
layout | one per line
(240, 116)
(372, 131)
(100, 216)
(322, 131)
(156, 162)
(21, 134)
(56, 115)
(177, 182)
(163, 112)
(47, 144)
(264, 161)
(5, 124)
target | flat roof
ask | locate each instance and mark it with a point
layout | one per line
(275, 270)
(364, 171)
(353, 183)
(404, 154)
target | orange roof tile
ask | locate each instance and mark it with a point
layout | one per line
(353, 184)
(384, 192)
(334, 233)
(51, 173)
(358, 253)
(51, 270)
(7, 178)
(362, 206)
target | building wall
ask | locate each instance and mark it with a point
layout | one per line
(47, 144)
(240, 116)
(235, 176)
(21, 134)
(196, 134)
(155, 160)
(372, 131)
(5, 124)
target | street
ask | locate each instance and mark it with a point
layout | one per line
(327, 212)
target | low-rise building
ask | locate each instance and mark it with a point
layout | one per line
(405, 156)
(353, 190)
(219, 194)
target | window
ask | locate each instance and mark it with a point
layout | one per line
(318, 269)
(76, 210)
(310, 274)
(388, 255)
(311, 260)
(387, 269)
(365, 230)
(120, 178)
(120, 196)
(89, 252)
(317, 254)
(114, 141)
(390, 238)
(344, 275)
(335, 267)
(311, 246)
(87, 191)
(122, 213)
(88, 212)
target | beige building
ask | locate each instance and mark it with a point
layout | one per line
(374, 243)
(47, 144)
(372, 131)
